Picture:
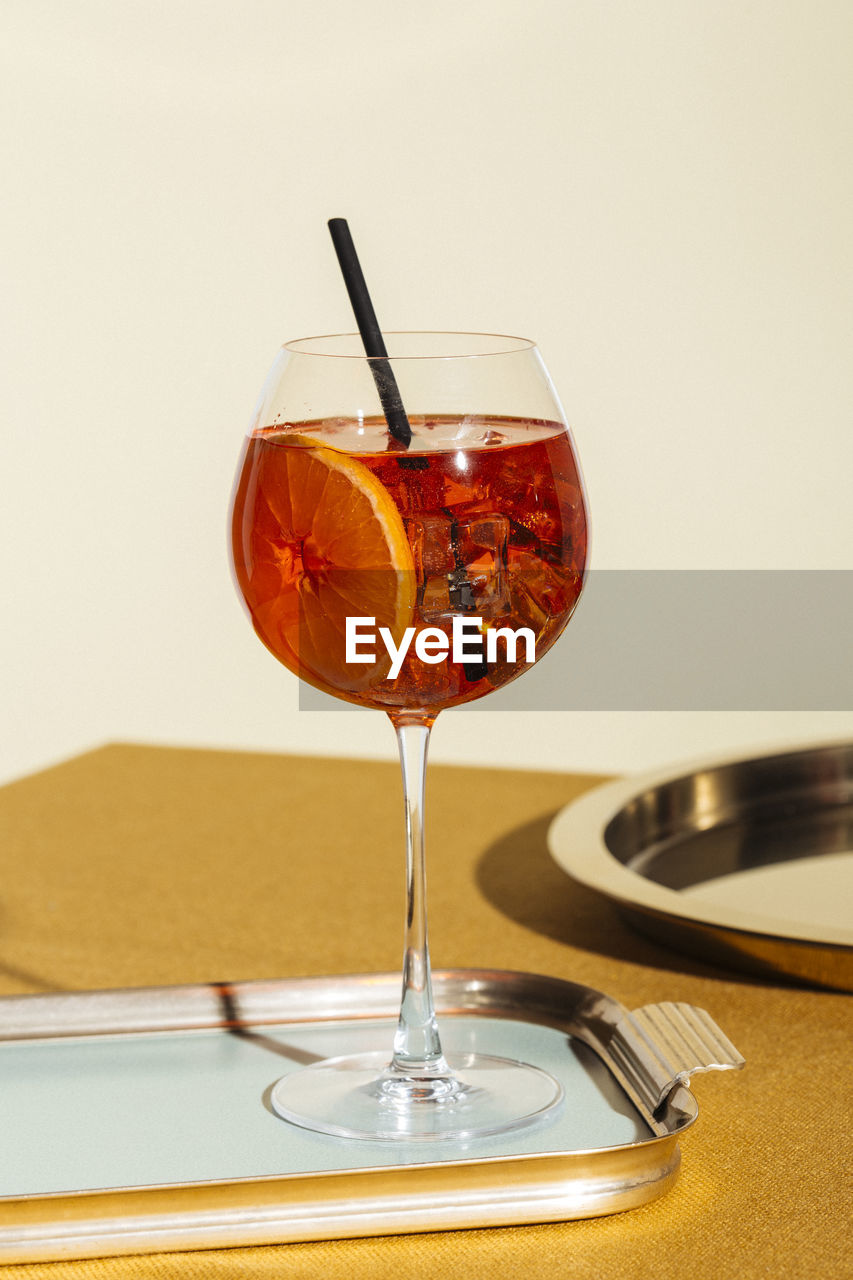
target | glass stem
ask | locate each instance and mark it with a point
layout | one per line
(417, 1048)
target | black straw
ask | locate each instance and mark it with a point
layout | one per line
(371, 334)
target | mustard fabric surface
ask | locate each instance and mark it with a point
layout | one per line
(135, 866)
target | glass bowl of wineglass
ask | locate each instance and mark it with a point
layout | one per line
(410, 575)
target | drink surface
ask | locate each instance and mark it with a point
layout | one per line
(480, 518)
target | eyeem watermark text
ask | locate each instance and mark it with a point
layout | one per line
(432, 645)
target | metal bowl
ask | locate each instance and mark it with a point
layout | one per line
(744, 862)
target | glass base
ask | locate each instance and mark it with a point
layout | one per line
(362, 1097)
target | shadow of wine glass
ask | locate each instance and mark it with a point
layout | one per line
(234, 1023)
(30, 983)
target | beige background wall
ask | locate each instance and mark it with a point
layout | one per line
(658, 192)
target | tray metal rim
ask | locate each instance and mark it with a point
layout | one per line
(148, 1225)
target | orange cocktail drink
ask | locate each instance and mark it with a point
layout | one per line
(332, 521)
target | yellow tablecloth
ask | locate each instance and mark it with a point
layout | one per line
(135, 866)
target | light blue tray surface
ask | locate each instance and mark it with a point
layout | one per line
(142, 1109)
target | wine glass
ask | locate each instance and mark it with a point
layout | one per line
(362, 561)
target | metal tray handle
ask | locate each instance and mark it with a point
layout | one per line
(662, 1045)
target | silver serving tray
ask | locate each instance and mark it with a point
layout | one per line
(748, 863)
(138, 1121)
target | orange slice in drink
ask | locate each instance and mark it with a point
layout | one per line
(330, 545)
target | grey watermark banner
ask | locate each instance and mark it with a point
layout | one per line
(690, 640)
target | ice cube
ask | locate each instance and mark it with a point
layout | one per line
(461, 565)
(432, 543)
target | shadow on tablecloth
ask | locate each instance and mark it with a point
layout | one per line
(518, 876)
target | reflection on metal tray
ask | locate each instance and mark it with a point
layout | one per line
(137, 1121)
(745, 862)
